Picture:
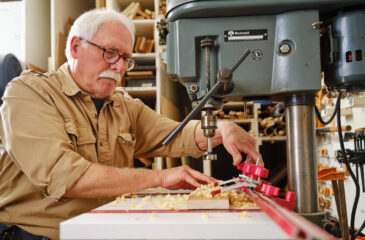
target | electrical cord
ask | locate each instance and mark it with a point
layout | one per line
(357, 185)
(360, 229)
(334, 113)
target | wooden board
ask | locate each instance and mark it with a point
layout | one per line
(206, 203)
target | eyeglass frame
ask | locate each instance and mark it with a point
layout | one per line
(128, 59)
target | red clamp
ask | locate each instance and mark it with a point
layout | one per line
(253, 171)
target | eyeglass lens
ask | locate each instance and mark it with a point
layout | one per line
(113, 56)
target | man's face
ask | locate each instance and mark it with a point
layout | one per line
(91, 73)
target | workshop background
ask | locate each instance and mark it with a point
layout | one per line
(34, 32)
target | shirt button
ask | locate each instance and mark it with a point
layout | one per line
(101, 143)
(46, 194)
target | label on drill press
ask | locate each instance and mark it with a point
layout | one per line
(245, 35)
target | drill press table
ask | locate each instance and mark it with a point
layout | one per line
(138, 219)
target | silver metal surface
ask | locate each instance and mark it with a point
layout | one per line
(284, 48)
(182, 9)
(207, 168)
(194, 88)
(210, 144)
(210, 156)
(301, 156)
(159, 163)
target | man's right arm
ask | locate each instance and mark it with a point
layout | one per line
(104, 181)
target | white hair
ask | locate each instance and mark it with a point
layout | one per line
(86, 25)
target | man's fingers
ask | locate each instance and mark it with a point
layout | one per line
(236, 155)
(247, 148)
(253, 154)
(261, 164)
(201, 177)
(192, 181)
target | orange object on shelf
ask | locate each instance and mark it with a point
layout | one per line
(337, 178)
(328, 174)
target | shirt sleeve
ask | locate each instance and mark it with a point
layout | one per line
(152, 129)
(33, 134)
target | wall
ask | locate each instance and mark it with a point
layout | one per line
(353, 113)
(11, 28)
(25, 31)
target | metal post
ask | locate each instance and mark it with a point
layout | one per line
(207, 167)
(301, 151)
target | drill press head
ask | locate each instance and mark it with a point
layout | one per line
(284, 39)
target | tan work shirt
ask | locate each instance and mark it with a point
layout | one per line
(51, 133)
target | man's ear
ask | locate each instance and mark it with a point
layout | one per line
(74, 46)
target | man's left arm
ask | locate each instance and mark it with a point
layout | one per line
(235, 140)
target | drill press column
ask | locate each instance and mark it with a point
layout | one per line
(301, 153)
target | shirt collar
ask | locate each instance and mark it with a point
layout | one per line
(70, 88)
(68, 84)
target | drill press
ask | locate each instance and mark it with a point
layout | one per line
(280, 43)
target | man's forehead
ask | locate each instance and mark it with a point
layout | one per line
(114, 35)
(115, 29)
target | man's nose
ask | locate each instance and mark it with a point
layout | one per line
(119, 66)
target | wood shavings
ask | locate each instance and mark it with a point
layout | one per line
(205, 216)
(160, 202)
(171, 205)
(205, 191)
(240, 199)
(118, 200)
(172, 201)
(243, 214)
(136, 205)
(153, 215)
(236, 198)
(146, 198)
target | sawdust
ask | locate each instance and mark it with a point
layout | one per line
(205, 191)
(236, 198)
(153, 215)
(205, 216)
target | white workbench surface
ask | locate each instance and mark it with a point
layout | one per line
(114, 222)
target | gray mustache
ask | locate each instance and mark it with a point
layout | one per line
(112, 75)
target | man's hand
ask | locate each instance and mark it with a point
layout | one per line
(183, 177)
(237, 140)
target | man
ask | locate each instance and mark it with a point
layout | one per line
(69, 139)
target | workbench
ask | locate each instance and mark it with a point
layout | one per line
(137, 218)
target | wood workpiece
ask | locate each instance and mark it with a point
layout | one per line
(202, 198)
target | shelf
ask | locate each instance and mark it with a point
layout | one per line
(138, 22)
(144, 27)
(144, 57)
(238, 121)
(140, 92)
(232, 104)
(273, 138)
(122, 4)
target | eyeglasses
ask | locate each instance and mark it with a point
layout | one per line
(112, 56)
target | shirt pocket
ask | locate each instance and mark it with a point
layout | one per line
(126, 143)
(82, 139)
